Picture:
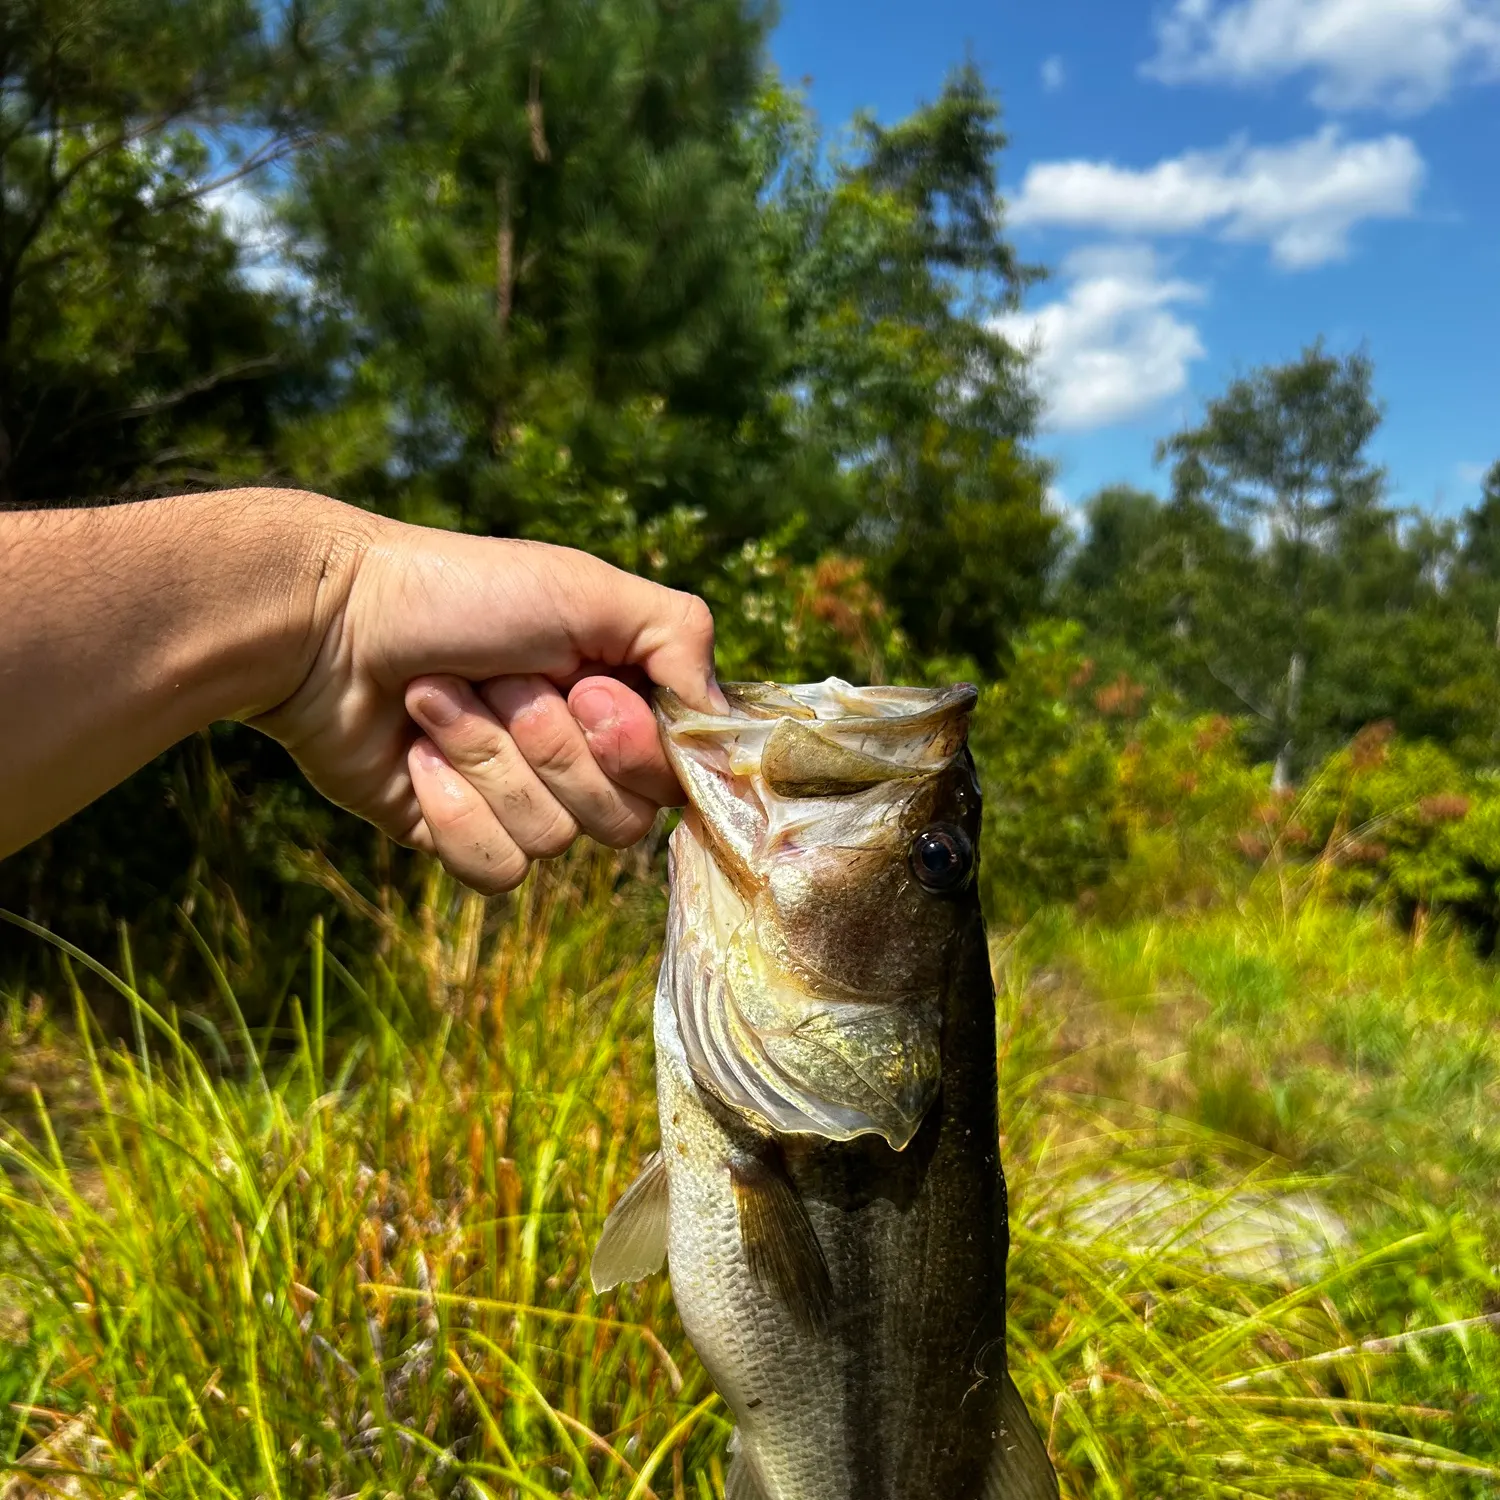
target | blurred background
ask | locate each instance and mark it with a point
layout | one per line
(305, 1148)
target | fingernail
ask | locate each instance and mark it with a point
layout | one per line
(595, 710)
(436, 766)
(429, 754)
(438, 705)
(716, 696)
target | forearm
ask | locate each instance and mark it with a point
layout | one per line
(123, 629)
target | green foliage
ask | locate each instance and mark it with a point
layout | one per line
(1050, 777)
(890, 272)
(1093, 790)
(1182, 593)
(1285, 445)
(1285, 448)
(1185, 793)
(1277, 583)
(131, 353)
(542, 224)
(1403, 823)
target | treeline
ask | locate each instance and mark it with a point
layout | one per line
(1276, 582)
(586, 271)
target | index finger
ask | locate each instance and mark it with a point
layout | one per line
(623, 738)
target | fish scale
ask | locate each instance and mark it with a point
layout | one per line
(828, 1197)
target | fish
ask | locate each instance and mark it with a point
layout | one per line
(828, 1197)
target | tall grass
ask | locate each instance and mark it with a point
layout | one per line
(347, 1254)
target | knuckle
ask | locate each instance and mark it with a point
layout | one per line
(511, 874)
(556, 838)
(623, 830)
(548, 739)
(472, 745)
(697, 618)
(494, 874)
(446, 816)
(476, 755)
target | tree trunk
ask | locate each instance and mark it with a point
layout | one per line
(1281, 777)
(539, 148)
(505, 286)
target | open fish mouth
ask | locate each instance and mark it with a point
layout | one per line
(823, 738)
(797, 826)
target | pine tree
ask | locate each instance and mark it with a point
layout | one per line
(543, 220)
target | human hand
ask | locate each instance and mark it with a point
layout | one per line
(462, 695)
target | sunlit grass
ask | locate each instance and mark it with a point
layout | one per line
(352, 1259)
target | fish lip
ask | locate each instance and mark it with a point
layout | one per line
(928, 705)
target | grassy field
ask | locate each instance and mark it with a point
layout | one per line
(1252, 1156)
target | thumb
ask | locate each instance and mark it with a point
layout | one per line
(630, 621)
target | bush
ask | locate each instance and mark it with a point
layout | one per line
(1095, 790)
(1400, 823)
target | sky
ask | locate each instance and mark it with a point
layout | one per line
(1212, 185)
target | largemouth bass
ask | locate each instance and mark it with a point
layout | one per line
(828, 1196)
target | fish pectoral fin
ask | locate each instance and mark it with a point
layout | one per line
(1020, 1468)
(781, 1250)
(633, 1244)
(742, 1482)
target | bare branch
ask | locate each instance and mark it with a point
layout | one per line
(275, 150)
(223, 376)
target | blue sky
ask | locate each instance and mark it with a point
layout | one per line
(1213, 184)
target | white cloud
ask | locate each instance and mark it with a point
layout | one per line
(1112, 347)
(1054, 74)
(1302, 198)
(1066, 509)
(1471, 473)
(1396, 54)
(252, 224)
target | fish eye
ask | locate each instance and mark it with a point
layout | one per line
(942, 858)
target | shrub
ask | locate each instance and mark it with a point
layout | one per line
(1099, 790)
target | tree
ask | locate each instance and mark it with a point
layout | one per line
(891, 266)
(543, 221)
(1184, 592)
(1479, 557)
(131, 351)
(1124, 525)
(1283, 450)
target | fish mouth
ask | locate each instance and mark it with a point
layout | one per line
(822, 738)
(791, 750)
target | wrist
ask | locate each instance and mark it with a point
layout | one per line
(298, 554)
